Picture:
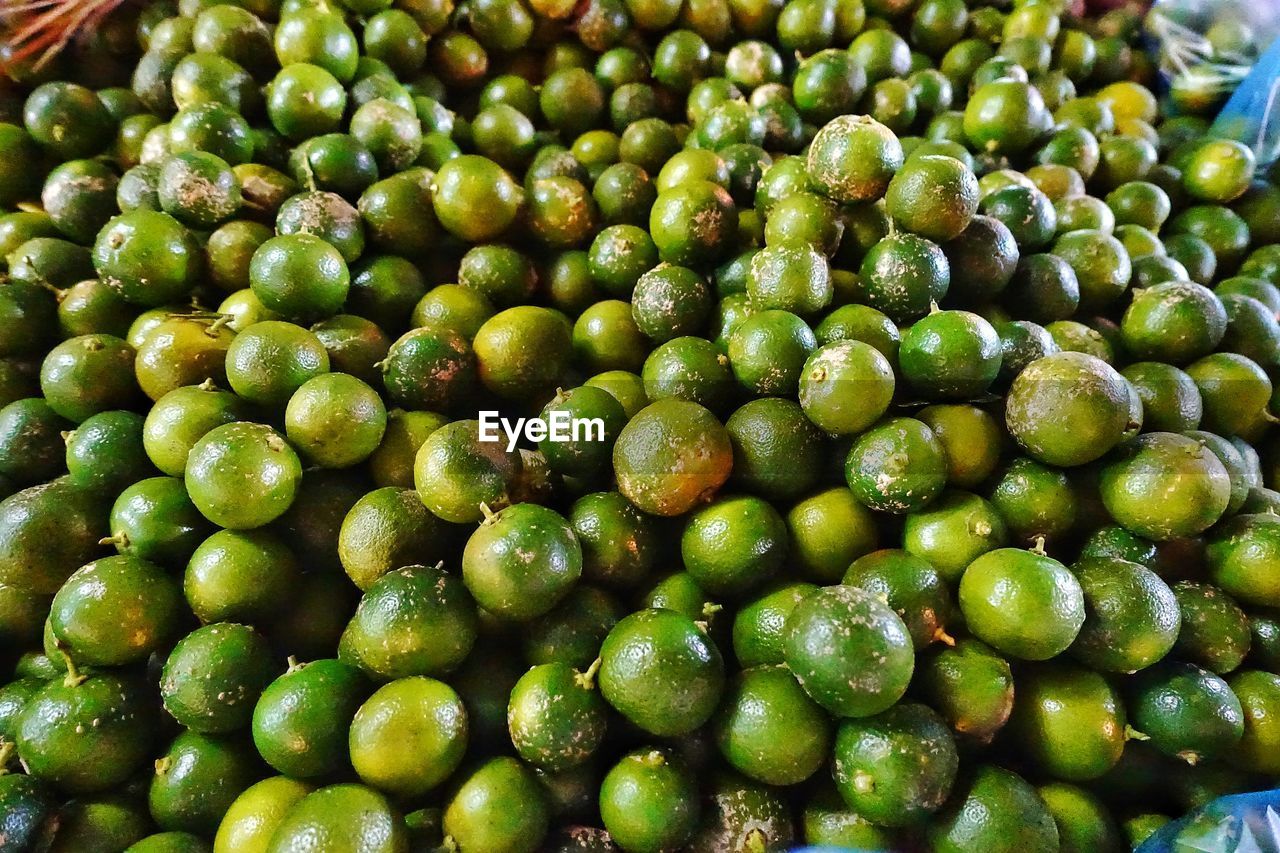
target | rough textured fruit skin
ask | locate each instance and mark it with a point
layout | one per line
(661, 672)
(1259, 695)
(849, 651)
(247, 492)
(1244, 558)
(1165, 485)
(409, 736)
(853, 158)
(649, 801)
(1131, 615)
(417, 620)
(935, 196)
(452, 458)
(769, 729)
(134, 591)
(1069, 720)
(520, 562)
(1036, 622)
(346, 816)
(995, 811)
(500, 806)
(556, 717)
(253, 817)
(971, 685)
(46, 533)
(28, 815)
(1186, 711)
(896, 466)
(672, 455)
(1068, 408)
(94, 758)
(301, 720)
(897, 767)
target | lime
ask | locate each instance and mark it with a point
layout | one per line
(950, 354)
(828, 531)
(498, 806)
(652, 648)
(934, 196)
(897, 466)
(672, 455)
(1192, 482)
(1069, 721)
(953, 531)
(849, 651)
(1240, 557)
(1187, 712)
(301, 720)
(734, 544)
(345, 816)
(1131, 615)
(242, 475)
(1023, 603)
(649, 801)
(409, 736)
(556, 717)
(1258, 693)
(1067, 408)
(400, 625)
(253, 816)
(853, 158)
(994, 810)
(521, 561)
(769, 729)
(896, 767)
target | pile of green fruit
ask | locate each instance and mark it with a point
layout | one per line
(919, 493)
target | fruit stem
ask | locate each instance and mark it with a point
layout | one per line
(6, 752)
(864, 783)
(1130, 733)
(120, 540)
(73, 678)
(587, 680)
(652, 758)
(294, 664)
(489, 515)
(1038, 548)
(216, 325)
(941, 636)
(163, 764)
(308, 175)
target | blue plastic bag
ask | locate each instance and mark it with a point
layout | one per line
(1215, 51)
(1241, 823)
(1252, 114)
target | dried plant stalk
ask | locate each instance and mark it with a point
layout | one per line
(42, 28)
